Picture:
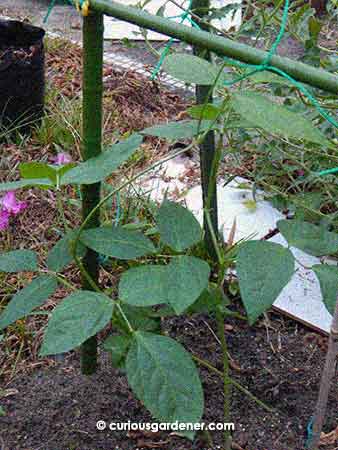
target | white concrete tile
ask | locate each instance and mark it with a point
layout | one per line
(115, 29)
(302, 298)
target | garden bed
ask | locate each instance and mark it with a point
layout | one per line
(278, 360)
(51, 406)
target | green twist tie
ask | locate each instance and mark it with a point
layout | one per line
(51, 7)
(184, 16)
(262, 67)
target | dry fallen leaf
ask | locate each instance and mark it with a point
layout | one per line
(231, 237)
(329, 438)
(149, 444)
(8, 392)
(235, 446)
(136, 434)
(234, 365)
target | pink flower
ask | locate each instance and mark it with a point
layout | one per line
(4, 219)
(10, 206)
(62, 158)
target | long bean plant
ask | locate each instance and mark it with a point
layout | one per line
(179, 268)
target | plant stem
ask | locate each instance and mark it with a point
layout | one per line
(130, 328)
(207, 146)
(209, 161)
(217, 250)
(61, 210)
(61, 279)
(207, 438)
(92, 142)
(237, 385)
(84, 224)
(250, 395)
(327, 377)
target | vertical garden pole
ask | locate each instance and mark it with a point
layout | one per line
(207, 147)
(91, 146)
(209, 193)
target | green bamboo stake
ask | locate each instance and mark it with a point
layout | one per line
(91, 146)
(218, 44)
(208, 156)
(207, 146)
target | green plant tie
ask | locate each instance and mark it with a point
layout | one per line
(258, 68)
(185, 16)
(49, 12)
(262, 67)
(309, 432)
(328, 172)
(79, 4)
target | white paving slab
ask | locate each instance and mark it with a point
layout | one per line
(115, 29)
(301, 299)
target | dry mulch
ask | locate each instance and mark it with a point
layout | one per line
(139, 101)
(131, 102)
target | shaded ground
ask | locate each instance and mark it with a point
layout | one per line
(280, 363)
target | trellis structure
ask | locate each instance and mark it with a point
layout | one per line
(93, 12)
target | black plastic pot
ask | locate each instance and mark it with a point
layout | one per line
(22, 74)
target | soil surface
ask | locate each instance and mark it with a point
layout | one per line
(278, 361)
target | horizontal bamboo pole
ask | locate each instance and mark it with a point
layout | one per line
(220, 45)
